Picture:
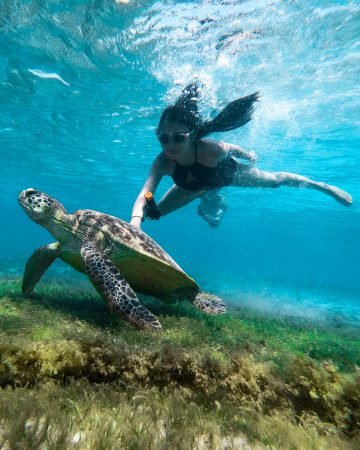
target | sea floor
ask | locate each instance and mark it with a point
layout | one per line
(324, 305)
(73, 376)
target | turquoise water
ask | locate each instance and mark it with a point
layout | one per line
(82, 86)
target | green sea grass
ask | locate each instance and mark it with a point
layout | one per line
(242, 379)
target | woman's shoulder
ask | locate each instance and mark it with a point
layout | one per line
(210, 150)
(212, 145)
(163, 163)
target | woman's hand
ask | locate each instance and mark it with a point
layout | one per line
(156, 173)
(253, 157)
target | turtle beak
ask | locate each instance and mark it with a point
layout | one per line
(22, 198)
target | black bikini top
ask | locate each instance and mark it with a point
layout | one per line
(198, 177)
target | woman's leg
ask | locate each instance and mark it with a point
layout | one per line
(175, 198)
(253, 177)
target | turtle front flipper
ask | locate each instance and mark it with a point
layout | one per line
(114, 289)
(208, 303)
(37, 265)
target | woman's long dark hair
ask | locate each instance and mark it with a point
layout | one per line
(185, 110)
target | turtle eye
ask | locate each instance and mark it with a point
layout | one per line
(30, 192)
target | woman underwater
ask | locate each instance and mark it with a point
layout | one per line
(199, 167)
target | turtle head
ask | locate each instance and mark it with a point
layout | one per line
(45, 211)
(39, 206)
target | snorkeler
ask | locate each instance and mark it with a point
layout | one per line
(198, 166)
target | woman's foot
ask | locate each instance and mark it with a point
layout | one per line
(338, 194)
(212, 207)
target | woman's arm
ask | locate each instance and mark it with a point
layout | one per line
(239, 152)
(152, 182)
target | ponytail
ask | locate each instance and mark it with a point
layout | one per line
(185, 110)
(234, 115)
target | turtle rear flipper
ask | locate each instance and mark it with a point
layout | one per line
(114, 289)
(208, 303)
(37, 265)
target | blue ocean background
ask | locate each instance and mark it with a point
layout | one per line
(82, 87)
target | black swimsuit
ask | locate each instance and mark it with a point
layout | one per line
(197, 176)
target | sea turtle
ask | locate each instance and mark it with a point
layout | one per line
(118, 258)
